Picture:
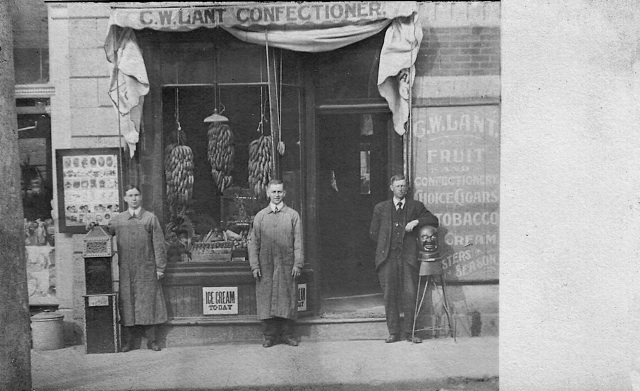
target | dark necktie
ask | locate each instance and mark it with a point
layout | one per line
(399, 206)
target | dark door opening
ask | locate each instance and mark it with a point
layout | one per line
(353, 169)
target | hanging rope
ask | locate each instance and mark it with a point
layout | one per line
(117, 76)
(177, 117)
(280, 143)
(410, 111)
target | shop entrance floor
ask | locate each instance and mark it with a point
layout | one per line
(368, 305)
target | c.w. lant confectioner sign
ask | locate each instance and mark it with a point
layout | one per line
(255, 14)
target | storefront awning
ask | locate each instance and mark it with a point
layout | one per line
(301, 26)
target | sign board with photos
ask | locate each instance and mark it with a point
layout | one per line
(89, 183)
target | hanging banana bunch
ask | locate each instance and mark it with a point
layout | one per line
(260, 164)
(178, 171)
(221, 153)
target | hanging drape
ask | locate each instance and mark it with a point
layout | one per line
(129, 83)
(301, 26)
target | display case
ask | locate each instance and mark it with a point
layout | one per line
(228, 241)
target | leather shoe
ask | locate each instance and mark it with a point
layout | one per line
(153, 346)
(392, 338)
(414, 339)
(289, 341)
(267, 343)
(125, 348)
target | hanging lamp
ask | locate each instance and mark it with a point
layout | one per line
(216, 117)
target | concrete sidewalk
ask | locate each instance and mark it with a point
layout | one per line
(323, 365)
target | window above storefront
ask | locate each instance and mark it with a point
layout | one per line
(348, 74)
(30, 41)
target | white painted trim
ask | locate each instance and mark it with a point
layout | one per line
(34, 91)
(426, 87)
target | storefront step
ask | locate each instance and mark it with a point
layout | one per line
(207, 331)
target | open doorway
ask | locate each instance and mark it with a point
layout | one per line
(353, 171)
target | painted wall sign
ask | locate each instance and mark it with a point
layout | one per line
(220, 300)
(302, 297)
(457, 177)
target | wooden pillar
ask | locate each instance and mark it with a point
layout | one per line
(15, 345)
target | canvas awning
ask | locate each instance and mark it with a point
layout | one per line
(300, 26)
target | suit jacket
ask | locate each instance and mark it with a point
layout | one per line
(381, 228)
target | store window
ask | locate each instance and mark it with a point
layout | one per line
(34, 145)
(30, 41)
(34, 141)
(215, 173)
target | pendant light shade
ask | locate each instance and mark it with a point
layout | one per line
(215, 117)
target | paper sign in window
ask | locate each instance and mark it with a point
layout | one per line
(365, 172)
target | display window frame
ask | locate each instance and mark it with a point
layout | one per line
(166, 73)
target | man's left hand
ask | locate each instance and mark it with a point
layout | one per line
(296, 272)
(159, 275)
(411, 225)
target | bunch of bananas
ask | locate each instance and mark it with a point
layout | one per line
(221, 154)
(259, 164)
(178, 171)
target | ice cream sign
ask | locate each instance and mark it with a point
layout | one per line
(220, 300)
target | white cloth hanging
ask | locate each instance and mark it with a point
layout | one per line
(396, 72)
(128, 85)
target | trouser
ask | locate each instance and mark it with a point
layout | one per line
(276, 327)
(149, 331)
(399, 282)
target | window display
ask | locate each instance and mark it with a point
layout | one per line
(217, 166)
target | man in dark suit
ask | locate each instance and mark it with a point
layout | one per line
(394, 227)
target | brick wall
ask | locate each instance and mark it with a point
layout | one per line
(459, 51)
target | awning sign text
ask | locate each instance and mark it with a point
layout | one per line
(293, 13)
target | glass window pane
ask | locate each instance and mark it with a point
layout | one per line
(240, 62)
(30, 41)
(188, 63)
(348, 73)
(291, 159)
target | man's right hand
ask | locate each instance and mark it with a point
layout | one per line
(257, 274)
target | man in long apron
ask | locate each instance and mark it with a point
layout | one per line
(142, 260)
(275, 255)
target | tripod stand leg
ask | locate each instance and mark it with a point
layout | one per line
(445, 304)
(418, 306)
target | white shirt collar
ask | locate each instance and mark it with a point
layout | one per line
(396, 200)
(276, 208)
(135, 211)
